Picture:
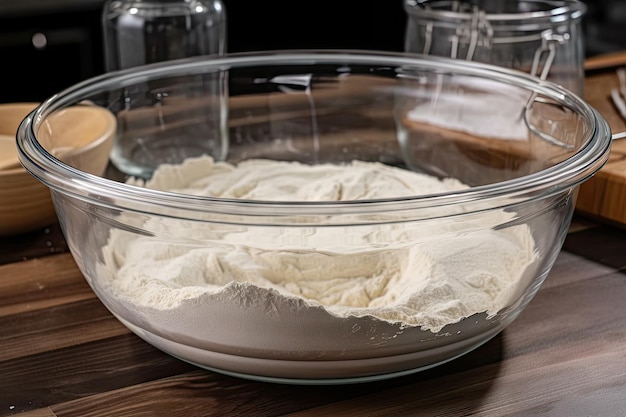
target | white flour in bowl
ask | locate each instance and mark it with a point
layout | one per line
(383, 273)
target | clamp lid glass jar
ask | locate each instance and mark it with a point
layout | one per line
(540, 37)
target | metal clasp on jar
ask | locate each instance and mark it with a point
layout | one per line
(477, 32)
(541, 65)
(544, 56)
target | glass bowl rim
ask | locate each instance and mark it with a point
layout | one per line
(69, 180)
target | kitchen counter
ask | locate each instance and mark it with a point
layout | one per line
(63, 354)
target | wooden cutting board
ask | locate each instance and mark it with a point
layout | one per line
(603, 197)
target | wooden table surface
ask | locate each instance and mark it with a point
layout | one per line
(63, 354)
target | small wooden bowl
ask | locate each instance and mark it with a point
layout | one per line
(81, 136)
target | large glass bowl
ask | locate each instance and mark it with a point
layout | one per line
(362, 281)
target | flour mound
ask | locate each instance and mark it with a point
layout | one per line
(392, 272)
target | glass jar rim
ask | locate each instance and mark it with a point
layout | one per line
(560, 11)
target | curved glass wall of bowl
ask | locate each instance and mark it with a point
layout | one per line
(537, 37)
(297, 85)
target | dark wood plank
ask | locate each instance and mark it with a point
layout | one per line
(570, 268)
(199, 394)
(61, 326)
(603, 244)
(520, 389)
(41, 283)
(82, 370)
(44, 242)
(41, 412)
(209, 394)
(572, 317)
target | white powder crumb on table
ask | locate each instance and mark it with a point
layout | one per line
(412, 279)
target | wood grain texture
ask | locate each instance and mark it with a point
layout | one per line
(44, 242)
(27, 285)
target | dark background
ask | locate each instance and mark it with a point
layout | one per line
(73, 50)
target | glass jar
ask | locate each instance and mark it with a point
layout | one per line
(540, 37)
(140, 32)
